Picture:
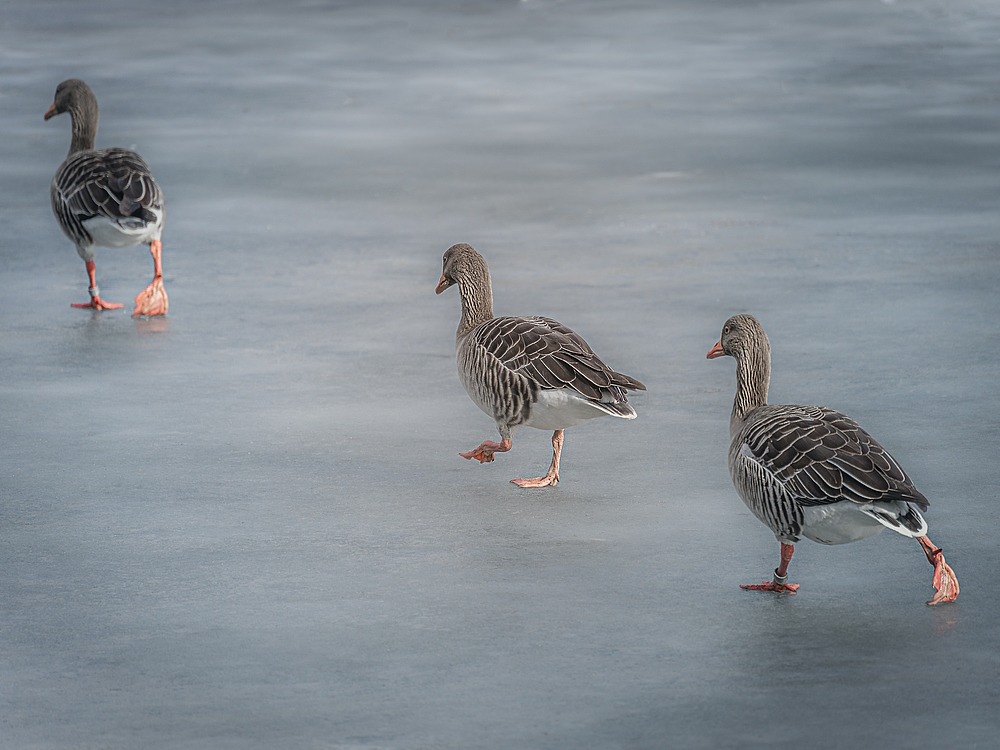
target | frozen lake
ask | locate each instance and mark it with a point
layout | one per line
(247, 526)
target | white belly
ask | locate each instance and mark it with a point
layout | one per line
(838, 523)
(561, 408)
(108, 233)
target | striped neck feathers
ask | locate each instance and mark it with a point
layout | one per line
(85, 118)
(753, 374)
(476, 292)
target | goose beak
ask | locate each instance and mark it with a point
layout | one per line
(716, 351)
(442, 285)
(50, 112)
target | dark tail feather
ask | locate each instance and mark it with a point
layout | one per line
(626, 382)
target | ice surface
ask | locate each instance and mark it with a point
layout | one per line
(247, 525)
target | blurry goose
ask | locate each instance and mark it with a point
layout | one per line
(106, 197)
(813, 472)
(528, 371)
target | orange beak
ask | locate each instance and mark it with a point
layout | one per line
(716, 351)
(442, 285)
(50, 112)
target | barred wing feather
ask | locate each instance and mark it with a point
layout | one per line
(552, 356)
(115, 184)
(822, 456)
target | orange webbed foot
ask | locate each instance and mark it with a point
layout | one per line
(549, 480)
(152, 300)
(484, 457)
(96, 303)
(485, 450)
(945, 582)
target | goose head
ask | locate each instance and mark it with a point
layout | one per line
(73, 96)
(461, 263)
(741, 335)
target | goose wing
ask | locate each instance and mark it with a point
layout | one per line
(552, 356)
(821, 456)
(115, 184)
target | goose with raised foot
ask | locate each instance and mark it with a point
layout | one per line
(106, 197)
(530, 371)
(809, 471)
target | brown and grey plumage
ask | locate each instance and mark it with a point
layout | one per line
(809, 471)
(530, 371)
(106, 197)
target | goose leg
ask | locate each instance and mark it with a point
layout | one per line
(551, 477)
(96, 303)
(484, 453)
(779, 582)
(153, 299)
(945, 582)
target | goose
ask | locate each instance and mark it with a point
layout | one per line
(530, 371)
(105, 197)
(809, 471)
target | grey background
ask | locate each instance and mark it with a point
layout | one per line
(247, 526)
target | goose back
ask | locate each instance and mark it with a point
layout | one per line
(788, 459)
(526, 370)
(107, 197)
(101, 197)
(808, 470)
(507, 363)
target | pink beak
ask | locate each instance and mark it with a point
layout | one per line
(716, 351)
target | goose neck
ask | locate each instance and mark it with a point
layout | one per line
(477, 303)
(85, 120)
(753, 374)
